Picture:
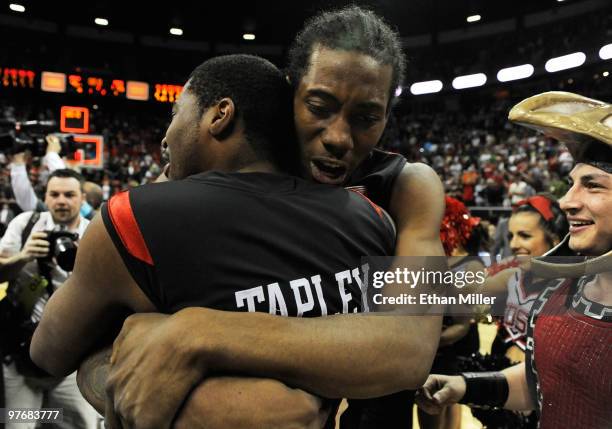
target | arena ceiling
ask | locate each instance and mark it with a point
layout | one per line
(273, 22)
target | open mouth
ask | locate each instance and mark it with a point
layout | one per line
(576, 226)
(328, 171)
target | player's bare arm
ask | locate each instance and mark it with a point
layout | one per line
(89, 307)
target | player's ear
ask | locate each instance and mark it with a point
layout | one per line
(224, 118)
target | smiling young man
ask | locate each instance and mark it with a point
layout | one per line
(25, 245)
(566, 376)
(587, 212)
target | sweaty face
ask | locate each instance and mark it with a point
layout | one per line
(340, 112)
(526, 235)
(182, 136)
(588, 205)
(63, 199)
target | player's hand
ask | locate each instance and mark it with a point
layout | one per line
(53, 143)
(152, 372)
(440, 391)
(36, 246)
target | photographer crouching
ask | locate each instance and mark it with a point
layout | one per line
(39, 250)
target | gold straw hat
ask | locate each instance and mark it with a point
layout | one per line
(583, 124)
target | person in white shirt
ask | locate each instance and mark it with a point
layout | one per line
(21, 263)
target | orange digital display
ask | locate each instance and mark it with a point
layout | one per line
(90, 85)
(17, 78)
(53, 82)
(74, 119)
(137, 90)
(84, 84)
(167, 93)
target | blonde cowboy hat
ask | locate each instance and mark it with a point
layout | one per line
(583, 124)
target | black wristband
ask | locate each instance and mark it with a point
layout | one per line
(485, 389)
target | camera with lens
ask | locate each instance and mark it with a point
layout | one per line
(30, 135)
(62, 247)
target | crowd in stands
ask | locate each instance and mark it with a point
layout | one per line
(482, 159)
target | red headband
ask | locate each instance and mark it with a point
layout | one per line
(541, 204)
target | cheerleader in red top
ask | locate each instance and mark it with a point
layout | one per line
(537, 225)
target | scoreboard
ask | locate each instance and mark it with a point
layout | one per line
(118, 88)
(89, 85)
(92, 85)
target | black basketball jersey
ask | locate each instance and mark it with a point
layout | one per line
(376, 176)
(248, 242)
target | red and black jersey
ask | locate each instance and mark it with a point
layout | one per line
(376, 176)
(248, 242)
(569, 351)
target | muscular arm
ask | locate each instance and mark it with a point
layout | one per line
(357, 356)
(220, 402)
(88, 307)
(244, 403)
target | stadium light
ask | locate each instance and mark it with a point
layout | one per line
(101, 21)
(605, 53)
(427, 87)
(515, 73)
(17, 7)
(469, 81)
(473, 18)
(176, 31)
(565, 62)
(605, 74)
(248, 36)
(398, 91)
